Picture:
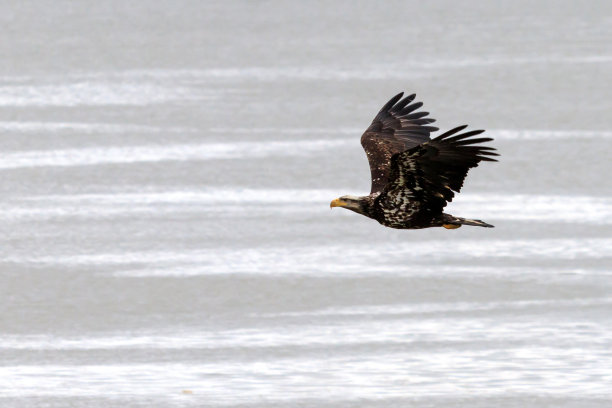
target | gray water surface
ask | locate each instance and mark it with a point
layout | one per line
(166, 174)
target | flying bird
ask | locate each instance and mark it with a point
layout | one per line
(414, 176)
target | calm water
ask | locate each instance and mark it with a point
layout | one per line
(166, 174)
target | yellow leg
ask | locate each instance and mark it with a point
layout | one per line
(451, 226)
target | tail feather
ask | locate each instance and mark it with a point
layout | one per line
(451, 222)
(476, 223)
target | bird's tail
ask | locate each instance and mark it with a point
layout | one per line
(452, 222)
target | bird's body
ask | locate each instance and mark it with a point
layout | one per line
(414, 176)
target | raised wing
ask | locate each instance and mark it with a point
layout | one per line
(423, 179)
(396, 128)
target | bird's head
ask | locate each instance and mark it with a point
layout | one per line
(353, 203)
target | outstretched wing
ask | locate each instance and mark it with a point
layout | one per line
(396, 128)
(423, 179)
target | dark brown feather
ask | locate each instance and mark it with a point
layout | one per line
(423, 179)
(395, 128)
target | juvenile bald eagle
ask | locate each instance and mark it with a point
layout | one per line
(414, 176)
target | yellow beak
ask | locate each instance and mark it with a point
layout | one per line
(337, 203)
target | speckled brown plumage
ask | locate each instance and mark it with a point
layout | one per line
(413, 176)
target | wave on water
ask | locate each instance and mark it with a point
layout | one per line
(413, 373)
(256, 202)
(406, 69)
(390, 327)
(502, 134)
(83, 127)
(446, 307)
(149, 87)
(91, 156)
(356, 259)
(95, 94)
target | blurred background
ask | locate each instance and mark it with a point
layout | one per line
(166, 172)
